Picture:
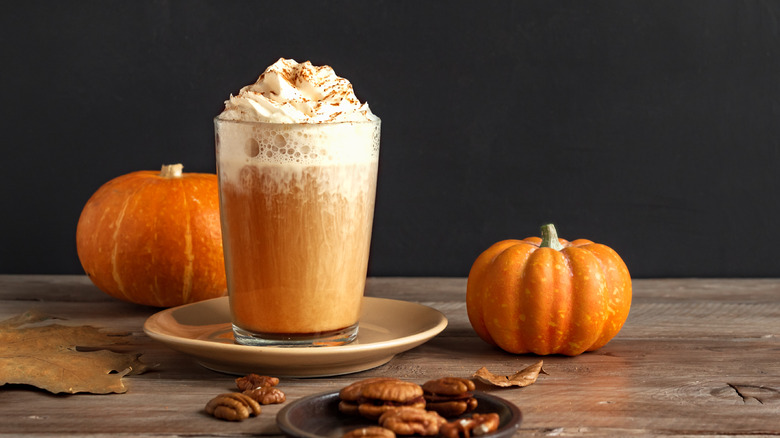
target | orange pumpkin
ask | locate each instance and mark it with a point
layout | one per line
(154, 238)
(547, 295)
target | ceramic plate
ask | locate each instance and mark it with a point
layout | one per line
(203, 330)
(318, 416)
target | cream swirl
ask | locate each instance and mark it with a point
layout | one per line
(292, 92)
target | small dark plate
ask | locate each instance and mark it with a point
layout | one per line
(318, 416)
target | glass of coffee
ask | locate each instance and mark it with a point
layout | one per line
(297, 203)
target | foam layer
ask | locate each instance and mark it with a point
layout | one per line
(305, 144)
(293, 146)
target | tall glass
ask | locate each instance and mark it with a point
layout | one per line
(297, 205)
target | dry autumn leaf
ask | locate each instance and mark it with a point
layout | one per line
(524, 377)
(51, 357)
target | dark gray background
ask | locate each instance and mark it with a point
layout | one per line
(649, 126)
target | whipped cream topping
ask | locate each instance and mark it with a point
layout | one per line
(292, 92)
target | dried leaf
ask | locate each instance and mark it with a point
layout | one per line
(524, 377)
(52, 357)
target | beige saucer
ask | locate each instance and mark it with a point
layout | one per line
(387, 327)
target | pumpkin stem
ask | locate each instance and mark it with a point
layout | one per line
(550, 238)
(171, 170)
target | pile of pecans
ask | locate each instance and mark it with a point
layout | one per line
(253, 391)
(405, 408)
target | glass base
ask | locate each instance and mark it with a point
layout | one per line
(323, 339)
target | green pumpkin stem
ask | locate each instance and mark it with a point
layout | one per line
(550, 238)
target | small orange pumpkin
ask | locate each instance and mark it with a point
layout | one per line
(547, 295)
(154, 238)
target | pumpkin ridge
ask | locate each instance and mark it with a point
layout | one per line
(590, 300)
(541, 299)
(567, 300)
(618, 290)
(477, 289)
(115, 248)
(188, 253)
(155, 284)
(561, 312)
(147, 188)
(504, 273)
(608, 307)
(517, 259)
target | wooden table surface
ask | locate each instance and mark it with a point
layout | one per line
(695, 358)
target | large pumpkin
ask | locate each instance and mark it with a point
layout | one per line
(547, 295)
(154, 238)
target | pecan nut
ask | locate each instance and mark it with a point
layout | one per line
(233, 406)
(412, 421)
(370, 432)
(450, 396)
(477, 425)
(254, 381)
(372, 397)
(266, 395)
(484, 423)
(350, 394)
(452, 408)
(449, 386)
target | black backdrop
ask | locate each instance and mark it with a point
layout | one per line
(650, 126)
